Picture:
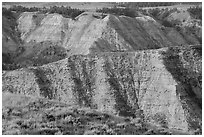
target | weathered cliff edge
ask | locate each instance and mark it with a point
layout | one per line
(165, 84)
(44, 38)
(91, 32)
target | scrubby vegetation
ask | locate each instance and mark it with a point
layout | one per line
(39, 54)
(43, 53)
(44, 83)
(174, 64)
(119, 11)
(196, 12)
(66, 12)
(188, 72)
(8, 13)
(152, 4)
(43, 117)
(122, 84)
(145, 4)
(24, 9)
(9, 27)
(83, 82)
(8, 62)
(9, 20)
(162, 14)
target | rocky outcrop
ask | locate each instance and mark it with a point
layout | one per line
(161, 84)
(40, 35)
(26, 24)
(93, 32)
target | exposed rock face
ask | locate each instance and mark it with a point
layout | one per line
(93, 32)
(49, 29)
(191, 28)
(41, 35)
(26, 24)
(163, 84)
(163, 36)
(122, 83)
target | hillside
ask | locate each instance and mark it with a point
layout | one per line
(90, 32)
(187, 21)
(125, 32)
(39, 116)
(89, 69)
(164, 84)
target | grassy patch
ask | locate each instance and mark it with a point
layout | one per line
(44, 117)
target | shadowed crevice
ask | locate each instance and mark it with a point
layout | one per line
(121, 95)
(44, 83)
(83, 84)
(185, 77)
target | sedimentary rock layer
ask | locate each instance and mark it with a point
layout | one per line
(164, 84)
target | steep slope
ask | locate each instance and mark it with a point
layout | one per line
(11, 41)
(185, 23)
(49, 29)
(40, 35)
(163, 35)
(92, 32)
(28, 26)
(16, 52)
(190, 25)
(39, 116)
(161, 84)
(10, 37)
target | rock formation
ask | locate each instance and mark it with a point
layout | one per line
(134, 69)
(92, 32)
(164, 84)
(42, 34)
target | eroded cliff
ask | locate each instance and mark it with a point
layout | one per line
(163, 85)
(45, 38)
(96, 32)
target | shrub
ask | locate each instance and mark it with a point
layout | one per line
(145, 4)
(64, 11)
(119, 11)
(196, 12)
(167, 23)
(161, 119)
